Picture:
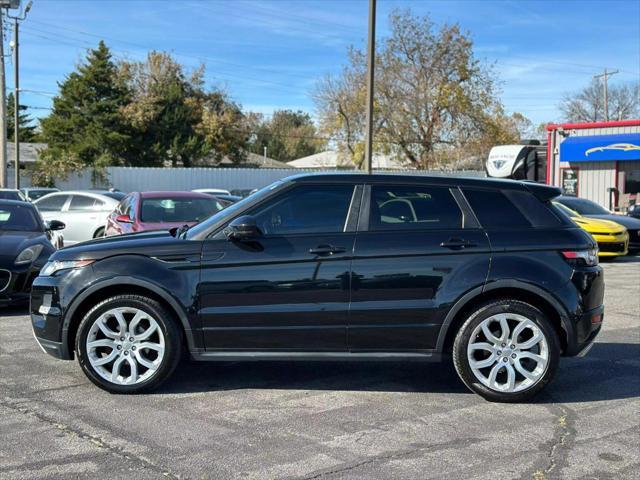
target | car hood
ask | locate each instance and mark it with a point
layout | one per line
(597, 225)
(13, 242)
(160, 244)
(628, 222)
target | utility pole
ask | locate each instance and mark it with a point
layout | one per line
(16, 86)
(3, 113)
(371, 63)
(605, 77)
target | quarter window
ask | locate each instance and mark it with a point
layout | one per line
(413, 208)
(82, 203)
(495, 210)
(306, 209)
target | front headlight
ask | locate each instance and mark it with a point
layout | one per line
(55, 266)
(28, 255)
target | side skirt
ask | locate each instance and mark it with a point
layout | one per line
(230, 356)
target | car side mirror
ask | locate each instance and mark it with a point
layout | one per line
(242, 228)
(54, 225)
(123, 219)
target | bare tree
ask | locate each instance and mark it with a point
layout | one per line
(431, 95)
(587, 105)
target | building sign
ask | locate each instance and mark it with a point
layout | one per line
(569, 181)
(597, 148)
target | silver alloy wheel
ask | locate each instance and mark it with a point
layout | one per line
(508, 353)
(125, 345)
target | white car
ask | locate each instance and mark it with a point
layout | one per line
(212, 191)
(84, 213)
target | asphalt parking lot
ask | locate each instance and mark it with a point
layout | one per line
(326, 420)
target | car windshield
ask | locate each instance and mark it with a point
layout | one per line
(231, 210)
(175, 209)
(566, 210)
(19, 218)
(584, 207)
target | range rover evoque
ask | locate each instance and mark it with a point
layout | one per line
(336, 267)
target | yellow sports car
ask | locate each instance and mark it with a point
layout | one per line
(612, 238)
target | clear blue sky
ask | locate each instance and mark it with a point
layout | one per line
(269, 54)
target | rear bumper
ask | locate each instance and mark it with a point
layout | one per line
(587, 327)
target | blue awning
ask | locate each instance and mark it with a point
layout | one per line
(597, 148)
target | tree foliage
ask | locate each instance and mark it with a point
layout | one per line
(587, 105)
(431, 94)
(26, 128)
(287, 135)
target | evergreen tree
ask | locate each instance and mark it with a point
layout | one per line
(27, 131)
(86, 122)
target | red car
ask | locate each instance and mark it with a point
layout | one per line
(141, 211)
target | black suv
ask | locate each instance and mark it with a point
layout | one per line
(336, 267)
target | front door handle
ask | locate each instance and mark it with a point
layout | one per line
(326, 250)
(457, 244)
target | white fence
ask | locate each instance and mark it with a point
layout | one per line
(130, 179)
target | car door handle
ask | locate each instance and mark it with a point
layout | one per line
(326, 250)
(457, 244)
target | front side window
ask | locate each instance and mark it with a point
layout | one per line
(52, 204)
(413, 208)
(306, 209)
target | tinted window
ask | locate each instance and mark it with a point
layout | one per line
(538, 213)
(53, 203)
(36, 194)
(82, 203)
(19, 217)
(115, 195)
(306, 209)
(494, 209)
(408, 207)
(178, 209)
(10, 195)
(583, 206)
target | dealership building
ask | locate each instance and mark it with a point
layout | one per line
(599, 161)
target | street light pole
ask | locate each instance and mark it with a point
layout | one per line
(371, 62)
(3, 115)
(16, 86)
(16, 102)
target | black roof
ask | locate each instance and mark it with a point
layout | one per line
(540, 190)
(16, 202)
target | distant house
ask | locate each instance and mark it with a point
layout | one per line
(28, 153)
(252, 160)
(331, 159)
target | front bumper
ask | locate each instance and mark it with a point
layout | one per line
(612, 245)
(15, 284)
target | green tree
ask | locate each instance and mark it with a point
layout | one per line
(432, 94)
(26, 128)
(287, 135)
(86, 123)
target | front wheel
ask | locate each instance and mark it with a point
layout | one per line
(128, 344)
(506, 351)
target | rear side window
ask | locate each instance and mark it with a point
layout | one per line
(510, 209)
(80, 203)
(413, 208)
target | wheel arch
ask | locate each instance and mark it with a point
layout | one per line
(517, 290)
(118, 286)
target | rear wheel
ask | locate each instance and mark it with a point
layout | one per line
(128, 344)
(506, 351)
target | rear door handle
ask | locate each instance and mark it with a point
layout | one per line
(457, 244)
(326, 250)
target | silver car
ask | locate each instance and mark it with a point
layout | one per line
(84, 213)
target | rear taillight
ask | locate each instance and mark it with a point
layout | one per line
(581, 257)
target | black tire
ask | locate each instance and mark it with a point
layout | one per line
(99, 233)
(463, 337)
(172, 342)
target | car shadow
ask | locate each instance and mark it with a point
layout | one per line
(600, 376)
